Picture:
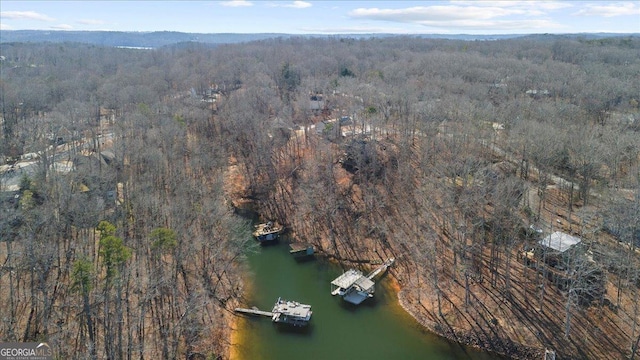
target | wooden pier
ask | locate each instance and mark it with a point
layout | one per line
(382, 268)
(254, 312)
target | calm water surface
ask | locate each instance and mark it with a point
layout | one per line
(376, 329)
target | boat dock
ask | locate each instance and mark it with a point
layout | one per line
(291, 312)
(284, 311)
(354, 287)
(299, 250)
(269, 231)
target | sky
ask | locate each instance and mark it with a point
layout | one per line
(326, 17)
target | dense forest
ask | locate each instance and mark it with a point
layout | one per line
(124, 173)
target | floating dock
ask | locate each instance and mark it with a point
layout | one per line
(354, 287)
(300, 250)
(268, 231)
(284, 311)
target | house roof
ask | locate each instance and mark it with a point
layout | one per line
(560, 241)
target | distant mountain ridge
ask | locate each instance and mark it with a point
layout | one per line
(133, 39)
(157, 39)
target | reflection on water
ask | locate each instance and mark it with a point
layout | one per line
(376, 329)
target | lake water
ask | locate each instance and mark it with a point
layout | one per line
(376, 329)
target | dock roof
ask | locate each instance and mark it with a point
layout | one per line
(347, 279)
(365, 283)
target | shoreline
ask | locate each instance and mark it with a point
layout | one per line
(234, 338)
(235, 335)
(464, 337)
(235, 322)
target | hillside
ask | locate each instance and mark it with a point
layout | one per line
(152, 39)
(476, 289)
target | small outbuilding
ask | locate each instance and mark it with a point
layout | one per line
(560, 242)
(556, 247)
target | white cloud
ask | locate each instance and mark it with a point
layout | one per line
(5, 27)
(236, 3)
(25, 15)
(62, 27)
(498, 16)
(610, 10)
(91, 22)
(294, 4)
(548, 5)
(535, 6)
(433, 13)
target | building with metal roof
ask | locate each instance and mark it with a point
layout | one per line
(559, 241)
